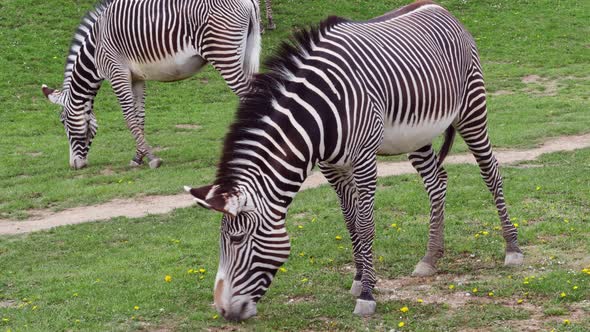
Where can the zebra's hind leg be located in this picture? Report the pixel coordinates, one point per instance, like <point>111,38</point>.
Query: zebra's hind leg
<point>475,134</point>
<point>139,107</point>
<point>434,177</point>
<point>343,183</point>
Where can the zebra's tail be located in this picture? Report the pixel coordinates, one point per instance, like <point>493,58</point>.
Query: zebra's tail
<point>447,144</point>
<point>253,47</point>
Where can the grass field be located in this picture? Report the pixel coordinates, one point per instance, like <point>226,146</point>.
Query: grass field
<point>110,276</point>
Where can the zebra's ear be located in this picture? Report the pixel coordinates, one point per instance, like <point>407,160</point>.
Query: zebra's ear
<point>231,203</point>
<point>52,95</point>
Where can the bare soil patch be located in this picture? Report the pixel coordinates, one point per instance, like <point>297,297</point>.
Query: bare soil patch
<point>142,206</point>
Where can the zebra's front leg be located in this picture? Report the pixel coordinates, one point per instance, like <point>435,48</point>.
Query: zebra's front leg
<point>342,181</point>
<point>121,83</point>
<point>365,176</point>
<point>434,177</point>
<point>139,99</point>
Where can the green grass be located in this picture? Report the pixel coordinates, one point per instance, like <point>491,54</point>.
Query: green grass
<point>34,151</point>
<point>90,276</point>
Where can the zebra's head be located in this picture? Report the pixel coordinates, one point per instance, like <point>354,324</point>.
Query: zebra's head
<point>253,247</point>
<point>79,122</point>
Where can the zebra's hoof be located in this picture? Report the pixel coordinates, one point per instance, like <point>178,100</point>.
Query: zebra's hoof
<point>423,270</point>
<point>155,163</point>
<point>514,259</point>
<point>79,163</point>
<point>356,288</point>
<point>134,163</point>
<point>364,307</point>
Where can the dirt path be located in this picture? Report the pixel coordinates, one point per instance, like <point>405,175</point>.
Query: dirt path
<point>143,206</point>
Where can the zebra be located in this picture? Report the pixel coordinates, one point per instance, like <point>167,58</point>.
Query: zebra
<point>337,97</point>
<point>129,42</point>
<point>271,24</point>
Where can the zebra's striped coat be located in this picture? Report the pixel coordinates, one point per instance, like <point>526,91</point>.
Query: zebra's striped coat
<point>129,42</point>
<point>343,94</point>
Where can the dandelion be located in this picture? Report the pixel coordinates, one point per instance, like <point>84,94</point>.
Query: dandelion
<point>575,287</point>
<point>77,321</point>
<point>515,225</point>
<point>476,235</point>
<point>519,301</point>
<point>304,280</point>
<point>474,290</point>
<point>401,324</point>
<point>338,237</point>
<point>201,277</point>
<point>451,286</point>
<point>380,258</point>
<point>34,307</point>
<point>393,225</point>
<point>301,254</point>
<point>563,294</point>
<point>419,300</point>
<point>340,247</point>
<point>538,188</point>
<point>404,309</point>
<point>202,270</point>
<point>167,278</point>
<point>215,316</point>
<point>497,228</point>
<point>190,271</point>
<point>490,294</point>
<point>75,295</point>
<point>485,232</point>
<point>282,269</point>
<point>300,226</point>
<point>566,322</point>
<point>136,307</point>
<point>566,221</point>
<point>5,320</point>
<point>313,219</point>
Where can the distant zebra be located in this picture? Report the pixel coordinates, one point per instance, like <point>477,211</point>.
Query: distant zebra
<point>129,42</point>
<point>344,94</point>
<point>271,24</point>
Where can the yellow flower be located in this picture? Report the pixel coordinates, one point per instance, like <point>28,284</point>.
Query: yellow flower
<point>566,322</point>
<point>215,316</point>
<point>304,280</point>
<point>75,295</point>
<point>525,282</point>
<point>167,278</point>
<point>201,277</point>
<point>380,258</point>
<point>393,225</point>
<point>497,228</point>
<point>282,269</point>
<point>401,324</point>
<point>313,219</point>
<point>190,271</point>
<point>5,320</point>
<point>202,270</point>
<point>538,188</point>
<point>136,307</point>
<point>515,225</point>
<point>491,294</point>
<point>34,307</point>
<point>300,226</point>
<point>302,254</point>
<point>566,221</point>
<point>575,287</point>
<point>451,286</point>
<point>563,294</point>
<point>404,309</point>
<point>419,300</point>
<point>474,290</point>
<point>485,232</point>
<point>338,237</point>
<point>519,301</point>
<point>476,235</point>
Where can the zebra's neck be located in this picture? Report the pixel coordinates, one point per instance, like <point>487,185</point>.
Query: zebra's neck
<point>82,48</point>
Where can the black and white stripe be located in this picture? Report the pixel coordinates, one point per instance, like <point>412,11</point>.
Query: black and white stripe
<point>341,95</point>
<point>129,42</point>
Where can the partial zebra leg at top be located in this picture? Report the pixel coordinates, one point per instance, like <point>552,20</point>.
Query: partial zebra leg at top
<point>434,177</point>
<point>271,24</point>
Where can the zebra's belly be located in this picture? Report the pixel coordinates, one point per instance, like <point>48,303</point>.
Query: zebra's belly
<point>398,139</point>
<point>172,68</point>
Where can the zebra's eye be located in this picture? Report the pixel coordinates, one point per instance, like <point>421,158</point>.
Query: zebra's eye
<point>237,238</point>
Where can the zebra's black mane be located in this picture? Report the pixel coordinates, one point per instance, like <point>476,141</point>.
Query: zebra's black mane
<point>80,35</point>
<point>265,88</point>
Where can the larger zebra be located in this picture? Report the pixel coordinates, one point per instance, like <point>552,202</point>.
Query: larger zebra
<point>341,95</point>
<point>129,42</point>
